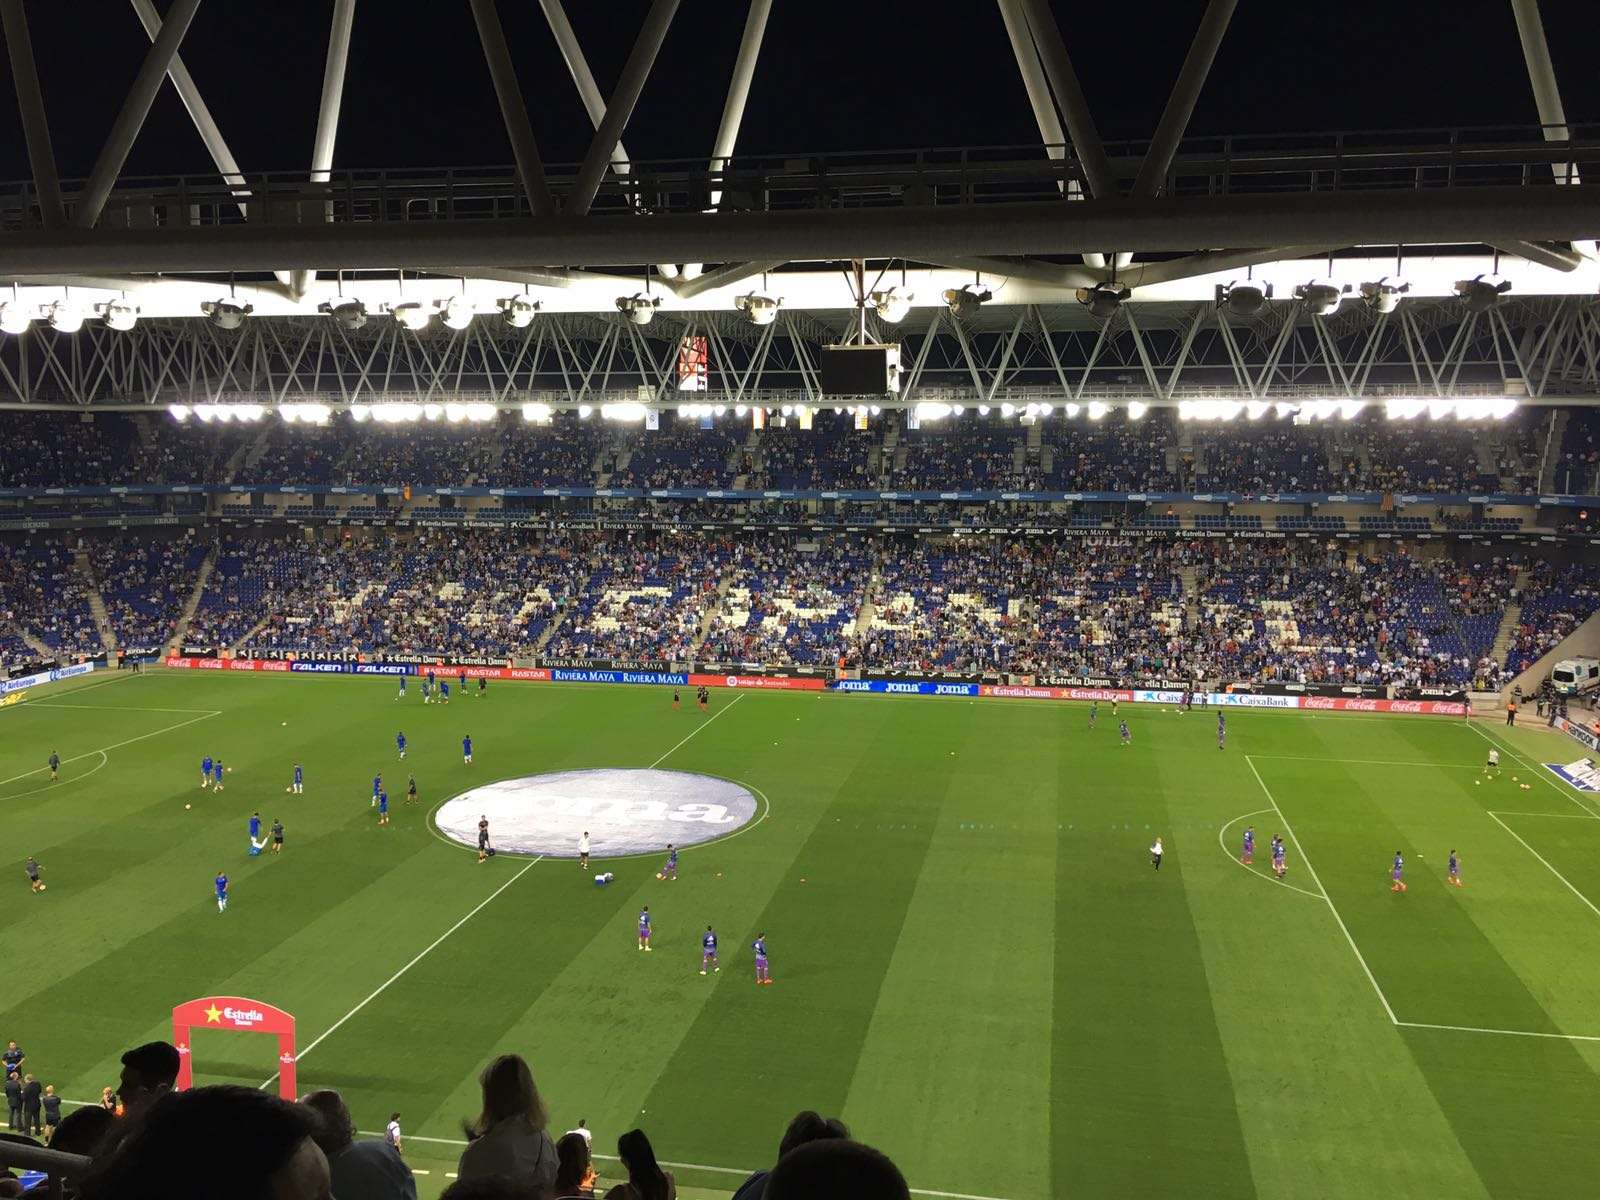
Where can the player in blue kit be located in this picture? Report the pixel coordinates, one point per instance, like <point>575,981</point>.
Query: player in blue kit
<point>1455,871</point>
<point>1248,855</point>
<point>299,784</point>
<point>222,891</point>
<point>1397,883</point>
<point>708,951</point>
<point>205,771</point>
<point>1122,728</point>
<point>1222,731</point>
<point>763,975</point>
<point>444,692</point>
<point>401,694</point>
<point>462,680</point>
<point>466,750</point>
<point>644,928</point>
<point>670,871</point>
<point>400,743</point>
<point>377,786</point>
<point>383,808</point>
<point>1278,867</point>
<point>216,775</point>
<point>257,842</point>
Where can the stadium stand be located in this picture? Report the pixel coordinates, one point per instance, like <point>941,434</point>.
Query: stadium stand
<point>144,585</point>
<point>789,601</point>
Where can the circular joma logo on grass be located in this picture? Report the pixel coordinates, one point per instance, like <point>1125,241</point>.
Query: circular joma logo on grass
<point>624,811</point>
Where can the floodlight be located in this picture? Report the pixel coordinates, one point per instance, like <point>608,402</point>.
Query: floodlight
<point>351,314</point>
<point>178,412</point>
<point>65,317</point>
<point>118,314</point>
<point>1097,410</point>
<point>892,305</point>
<point>759,308</point>
<point>626,410</point>
<point>1481,292</point>
<point>305,414</point>
<point>1072,410</point>
<point>1320,297</point>
<point>1256,409</point>
<point>1137,409</point>
<point>964,302</point>
<point>1383,295</point>
<point>14,319</point>
<point>540,413</point>
<point>519,311</point>
<point>638,308</point>
<point>1103,299</point>
<point>456,312</point>
<point>1245,298</point>
<point>225,314</point>
<point>411,315</point>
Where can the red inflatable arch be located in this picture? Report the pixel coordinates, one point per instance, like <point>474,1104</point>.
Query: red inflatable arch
<point>237,1013</point>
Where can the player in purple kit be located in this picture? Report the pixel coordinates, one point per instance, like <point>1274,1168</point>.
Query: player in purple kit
<point>763,975</point>
<point>1222,732</point>
<point>670,871</point>
<point>1278,866</point>
<point>1248,855</point>
<point>1455,871</point>
<point>644,928</point>
<point>1397,884</point>
<point>1122,728</point>
<point>708,951</point>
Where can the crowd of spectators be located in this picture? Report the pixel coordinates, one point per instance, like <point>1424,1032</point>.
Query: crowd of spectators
<point>1110,455</point>
<point>1557,598</point>
<point>144,585</point>
<point>681,454</point>
<point>1256,458</point>
<point>831,454</point>
<point>146,1140</point>
<point>969,453</point>
<point>564,451</point>
<point>43,598</point>
<point>789,600</point>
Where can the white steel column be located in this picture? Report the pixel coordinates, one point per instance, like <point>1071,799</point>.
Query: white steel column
<point>344,13</point>
<point>30,99</point>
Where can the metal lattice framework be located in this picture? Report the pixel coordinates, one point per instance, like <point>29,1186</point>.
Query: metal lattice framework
<point>1160,224</point>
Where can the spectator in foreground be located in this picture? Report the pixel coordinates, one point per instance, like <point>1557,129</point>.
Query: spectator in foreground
<point>214,1141</point>
<point>575,1175</point>
<point>646,1180</point>
<point>509,1137</point>
<point>806,1127</point>
<point>366,1170</point>
<point>495,1187</point>
<point>149,1072</point>
<point>839,1169</point>
<point>82,1130</point>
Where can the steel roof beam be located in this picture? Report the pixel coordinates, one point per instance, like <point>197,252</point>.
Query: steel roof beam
<point>512,109</point>
<point>30,100</point>
<point>1180,105</point>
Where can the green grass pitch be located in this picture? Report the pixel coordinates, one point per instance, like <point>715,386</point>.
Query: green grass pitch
<point>977,967</point>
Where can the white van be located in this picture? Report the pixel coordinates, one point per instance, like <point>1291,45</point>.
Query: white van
<point>1572,676</point>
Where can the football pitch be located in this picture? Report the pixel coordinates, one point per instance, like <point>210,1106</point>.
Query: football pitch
<point>976,965</point>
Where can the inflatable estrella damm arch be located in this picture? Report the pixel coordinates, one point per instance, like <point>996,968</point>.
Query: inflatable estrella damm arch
<point>241,1015</point>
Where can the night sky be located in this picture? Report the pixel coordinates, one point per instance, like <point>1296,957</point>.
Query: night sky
<point>834,75</point>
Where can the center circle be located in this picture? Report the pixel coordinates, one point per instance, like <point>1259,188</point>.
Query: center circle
<point>623,810</point>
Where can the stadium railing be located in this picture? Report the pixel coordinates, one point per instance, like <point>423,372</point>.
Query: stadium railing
<point>55,1165</point>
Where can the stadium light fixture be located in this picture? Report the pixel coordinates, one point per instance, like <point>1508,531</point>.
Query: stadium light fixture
<point>120,315</point>
<point>1284,409</point>
<point>65,317</point>
<point>457,312</point>
<point>1349,410</point>
<point>626,410</point>
<point>432,412</point>
<point>1209,410</point>
<point>1404,408</point>
<point>1008,410</point>
<point>1256,409</point>
<point>933,410</point>
<point>471,413</point>
<point>1103,299</point>
<point>1383,295</point>
<point>1097,410</point>
<point>519,311</point>
<point>350,314</point>
<point>179,412</point>
<point>892,305</point>
<point>536,413</point>
<point>585,412</point>
<point>228,413</point>
<point>759,308</point>
<point>1438,410</point>
<point>873,409</point>
<point>1321,297</point>
<point>361,414</point>
<point>1072,410</point>
<point>965,301</point>
<point>740,410</point>
<point>411,315</point>
<point>14,319</point>
<point>1482,292</point>
<point>639,308</point>
<point>719,410</point>
<point>305,414</point>
<point>394,413</point>
<point>983,410</point>
<point>226,314</point>
<point>1137,410</point>
<point>1245,298</point>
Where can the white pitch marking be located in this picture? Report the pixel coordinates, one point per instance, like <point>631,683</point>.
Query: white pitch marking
<point>1566,1037</point>
<point>1537,769</point>
<point>697,730</point>
<point>116,745</point>
<point>1508,812</point>
<point>1238,862</point>
<point>1371,762</point>
<point>60,782</point>
<point>381,988</point>
<point>1343,928</point>
<point>1547,865</point>
<point>113,707</point>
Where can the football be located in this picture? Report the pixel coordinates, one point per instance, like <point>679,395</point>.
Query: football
<point>42,886</point>
<point>187,807</point>
<point>658,875</point>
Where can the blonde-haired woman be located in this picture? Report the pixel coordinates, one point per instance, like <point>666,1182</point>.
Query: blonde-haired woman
<point>509,1137</point>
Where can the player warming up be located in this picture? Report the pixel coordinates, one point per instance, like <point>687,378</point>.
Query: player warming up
<point>1156,851</point>
<point>484,849</point>
<point>411,789</point>
<point>257,842</point>
<point>222,892</point>
<point>763,974</point>
<point>444,691</point>
<point>703,699</point>
<point>708,951</point>
<point>400,744</point>
<point>401,694</point>
<point>1248,855</point>
<point>644,928</point>
<point>299,784</point>
<point>670,871</point>
<point>1094,711</point>
<point>1455,870</point>
<point>277,836</point>
<point>1122,728</point>
<point>377,786</point>
<point>1491,768</point>
<point>583,851</point>
<point>216,775</point>
<point>1278,867</point>
<point>205,771</point>
<point>35,884</point>
<point>55,766</point>
<point>1222,732</point>
<point>466,750</point>
<point>383,808</point>
<point>1396,881</point>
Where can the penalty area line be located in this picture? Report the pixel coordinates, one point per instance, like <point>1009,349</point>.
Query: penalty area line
<point>1565,1037</point>
<point>1547,865</point>
<point>703,725</point>
<point>115,745</point>
<point>384,986</point>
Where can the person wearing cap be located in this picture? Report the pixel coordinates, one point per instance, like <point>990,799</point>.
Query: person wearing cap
<point>149,1072</point>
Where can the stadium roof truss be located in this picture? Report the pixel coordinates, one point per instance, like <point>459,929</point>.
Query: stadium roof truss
<point>1100,266</point>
